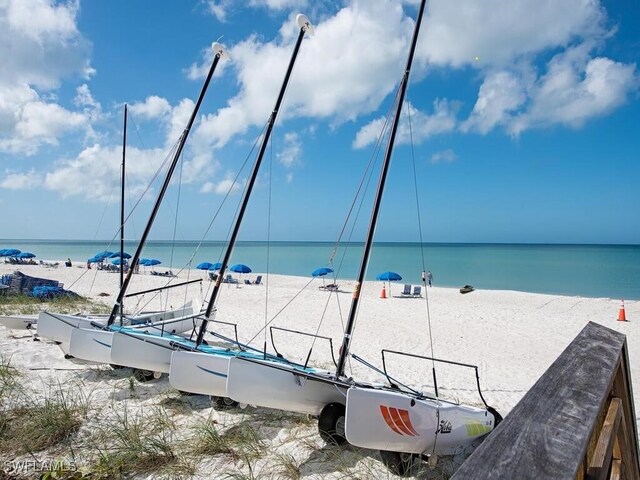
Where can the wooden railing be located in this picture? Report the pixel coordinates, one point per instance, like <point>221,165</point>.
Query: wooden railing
<point>577,422</point>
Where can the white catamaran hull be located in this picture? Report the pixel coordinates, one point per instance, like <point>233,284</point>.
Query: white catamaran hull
<point>19,322</point>
<point>284,387</point>
<point>95,345</point>
<point>387,420</point>
<point>143,352</point>
<point>58,326</point>
<point>202,373</point>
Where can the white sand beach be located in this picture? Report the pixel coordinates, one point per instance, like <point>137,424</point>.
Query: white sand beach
<point>513,337</point>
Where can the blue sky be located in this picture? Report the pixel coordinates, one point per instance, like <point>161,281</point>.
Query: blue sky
<point>525,119</point>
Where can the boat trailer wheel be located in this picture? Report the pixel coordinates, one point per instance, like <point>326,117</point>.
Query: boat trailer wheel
<point>223,402</point>
<point>143,375</point>
<point>331,424</point>
<point>399,463</point>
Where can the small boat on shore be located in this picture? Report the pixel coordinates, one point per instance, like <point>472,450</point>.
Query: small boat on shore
<point>467,289</point>
<point>19,322</point>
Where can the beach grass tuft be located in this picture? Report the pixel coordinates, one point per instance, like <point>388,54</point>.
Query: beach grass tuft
<point>240,441</point>
<point>138,443</point>
<point>24,304</point>
<point>32,425</point>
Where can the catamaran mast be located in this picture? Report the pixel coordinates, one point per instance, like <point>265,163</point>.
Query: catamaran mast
<point>344,350</point>
<point>124,150</point>
<point>183,138</point>
<point>305,26</point>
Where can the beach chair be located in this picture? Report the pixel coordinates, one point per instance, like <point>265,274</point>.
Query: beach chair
<point>229,279</point>
<point>248,282</point>
<point>406,292</point>
<point>258,280</point>
<point>417,291</point>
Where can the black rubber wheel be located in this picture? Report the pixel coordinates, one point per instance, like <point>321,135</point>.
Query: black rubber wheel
<point>143,375</point>
<point>223,403</point>
<point>496,415</point>
<point>399,463</point>
<point>331,424</point>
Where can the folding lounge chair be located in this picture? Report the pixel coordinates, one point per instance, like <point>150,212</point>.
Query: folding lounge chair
<point>407,291</point>
<point>417,291</point>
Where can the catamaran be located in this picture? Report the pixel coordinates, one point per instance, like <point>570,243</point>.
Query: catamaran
<point>90,340</point>
<point>95,343</point>
<point>193,365</point>
<point>404,423</point>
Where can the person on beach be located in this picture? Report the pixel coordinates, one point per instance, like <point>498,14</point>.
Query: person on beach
<point>67,263</point>
<point>88,265</point>
<point>429,277</point>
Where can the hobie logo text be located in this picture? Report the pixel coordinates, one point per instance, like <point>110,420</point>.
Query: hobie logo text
<point>398,420</point>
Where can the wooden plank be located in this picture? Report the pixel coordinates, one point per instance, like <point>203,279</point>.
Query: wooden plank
<point>599,465</point>
<point>547,433</point>
<point>621,386</point>
<point>626,454</point>
<point>615,470</point>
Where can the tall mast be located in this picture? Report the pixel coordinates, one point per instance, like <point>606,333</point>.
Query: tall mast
<point>305,26</point>
<point>124,150</point>
<point>344,350</point>
<point>219,52</point>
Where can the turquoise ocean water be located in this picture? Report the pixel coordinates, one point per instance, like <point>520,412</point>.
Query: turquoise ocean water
<point>586,270</point>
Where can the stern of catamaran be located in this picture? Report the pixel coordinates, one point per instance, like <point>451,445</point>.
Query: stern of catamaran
<point>400,422</point>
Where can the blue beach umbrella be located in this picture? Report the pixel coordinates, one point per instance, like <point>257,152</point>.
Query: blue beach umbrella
<point>240,268</point>
<point>389,277</point>
<point>11,252</point>
<point>25,255</point>
<point>116,261</point>
<point>95,260</point>
<point>204,266</point>
<point>117,255</point>
<point>152,261</point>
<point>216,266</point>
<point>2,252</point>
<point>102,255</point>
<point>321,272</point>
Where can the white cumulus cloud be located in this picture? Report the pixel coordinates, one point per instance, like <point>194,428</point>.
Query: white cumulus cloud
<point>40,46</point>
<point>21,181</point>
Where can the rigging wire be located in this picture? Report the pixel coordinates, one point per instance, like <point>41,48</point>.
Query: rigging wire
<point>269,199</point>
<point>424,284</point>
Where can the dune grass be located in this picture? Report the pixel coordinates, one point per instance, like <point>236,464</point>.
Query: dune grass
<point>138,443</point>
<point>23,304</point>
<point>31,424</point>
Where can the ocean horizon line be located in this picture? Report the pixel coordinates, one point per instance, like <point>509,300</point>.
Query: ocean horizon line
<point>322,242</point>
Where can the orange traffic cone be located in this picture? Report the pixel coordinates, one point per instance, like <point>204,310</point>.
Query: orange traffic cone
<point>622,317</point>
<point>383,293</point>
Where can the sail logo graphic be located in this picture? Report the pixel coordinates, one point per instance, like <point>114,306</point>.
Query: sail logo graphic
<point>398,420</point>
